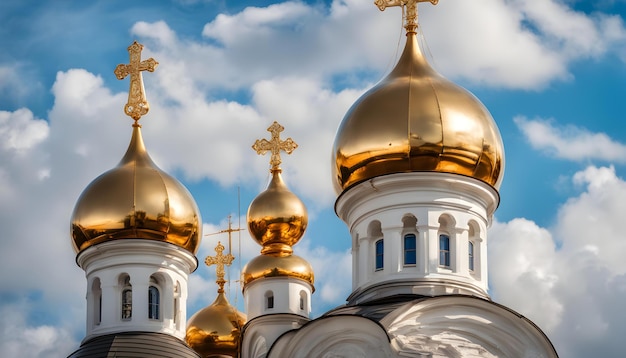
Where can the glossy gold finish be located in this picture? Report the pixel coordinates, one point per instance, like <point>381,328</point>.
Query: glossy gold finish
<point>274,145</point>
<point>136,200</point>
<point>409,6</point>
<point>273,266</point>
<point>415,120</point>
<point>137,104</point>
<point>277,218</point>
<point>220,260</point>
<point>215,330</point>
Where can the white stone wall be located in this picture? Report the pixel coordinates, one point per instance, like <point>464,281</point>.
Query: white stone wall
<point>145,263</point>
<point>431,204</point>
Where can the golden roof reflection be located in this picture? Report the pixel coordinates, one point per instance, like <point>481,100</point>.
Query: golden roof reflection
<point>277,218</point>
<point>216,330</point>
<point>416,120</point>
<point>264,266</point>
<point>136,200</point>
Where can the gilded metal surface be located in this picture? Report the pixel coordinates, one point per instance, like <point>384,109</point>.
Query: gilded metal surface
<point>137,104</point>
<point>273,266</point>
<point>410,16</point>
<point>277,218</point>
<point>216,330</point>
<point>136,200</point>
<point>416,120</point>
<point>274,145</point>
<point>220,260</point>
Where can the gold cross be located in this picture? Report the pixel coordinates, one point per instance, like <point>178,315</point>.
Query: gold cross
<point>219,260</point>
<point>411,10</point>
<point>274,145</point>
<point>137,104</point>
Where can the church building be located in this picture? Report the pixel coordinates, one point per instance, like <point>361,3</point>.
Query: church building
<point>417,163</point>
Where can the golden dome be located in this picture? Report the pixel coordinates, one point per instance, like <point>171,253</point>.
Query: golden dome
<point>264,266</point>
<point>215,331</point>
<point>277,218</point>
<point>415,120</point>
<point>136,200</point>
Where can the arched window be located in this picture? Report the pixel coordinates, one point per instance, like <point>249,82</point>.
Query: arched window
<point>473,249</point>
<point>269,299</point>
<point>127,298</point>
<point>470,251</point>
<point>177,304</point>
<point>410,245</point>
<point>380,254</point>
<point>444,250</point>
<point>153,302</point>
<point>97,301</point>
<point>303,302</point>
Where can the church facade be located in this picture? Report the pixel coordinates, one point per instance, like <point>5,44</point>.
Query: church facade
<point>417,163</point>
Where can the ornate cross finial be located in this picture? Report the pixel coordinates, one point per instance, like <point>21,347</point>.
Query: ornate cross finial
<point>275,145</point>
<point>411,10</point>
<point>219,260</point>
<point>137,104</point>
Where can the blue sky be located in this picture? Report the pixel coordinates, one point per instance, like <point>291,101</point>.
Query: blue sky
<point>551,72</point>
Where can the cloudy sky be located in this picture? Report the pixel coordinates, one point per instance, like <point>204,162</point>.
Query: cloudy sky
<point>552,73</point>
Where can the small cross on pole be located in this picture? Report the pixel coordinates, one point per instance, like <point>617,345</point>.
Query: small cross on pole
<point>275,145</point>
<point>137,104</point>
<point>219,260</point>
<point>230,230</point>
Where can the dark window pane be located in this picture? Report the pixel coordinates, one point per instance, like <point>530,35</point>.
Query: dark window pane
<point>444,250</point>
<point>471,256</point>
<point>409,249</point>
<point>153,302</point>
<point>379,254</point>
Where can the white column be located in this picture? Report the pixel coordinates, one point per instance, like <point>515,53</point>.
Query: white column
<point>366,261</point>
<point>393,249</point>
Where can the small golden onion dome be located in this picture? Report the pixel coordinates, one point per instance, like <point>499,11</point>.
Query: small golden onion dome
<point>136,200</point>
<point>215,331</point>
<point>415,120</point>
<point>277,218</point>
<point>264,266</point>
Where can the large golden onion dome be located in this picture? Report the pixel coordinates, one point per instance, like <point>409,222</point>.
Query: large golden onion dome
<point>215,331</point>
<point>277,219</point>
<point>415,120</point>
<point>136,200</point>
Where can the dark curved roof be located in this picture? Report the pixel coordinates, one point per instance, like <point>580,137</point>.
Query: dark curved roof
<point>134,344</point>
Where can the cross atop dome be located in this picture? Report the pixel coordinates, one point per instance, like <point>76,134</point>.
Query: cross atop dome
<point>275,145</point>
<point>411,10</point>
<point>137,104</point>
<point>220,260</point>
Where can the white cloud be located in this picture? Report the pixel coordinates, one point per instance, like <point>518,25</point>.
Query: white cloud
<point>570,142</point>
<point>521,256</point>
<point>569,279</point>
<point>516,44</point>
<point>19,338</point>
<point>20,131</point>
